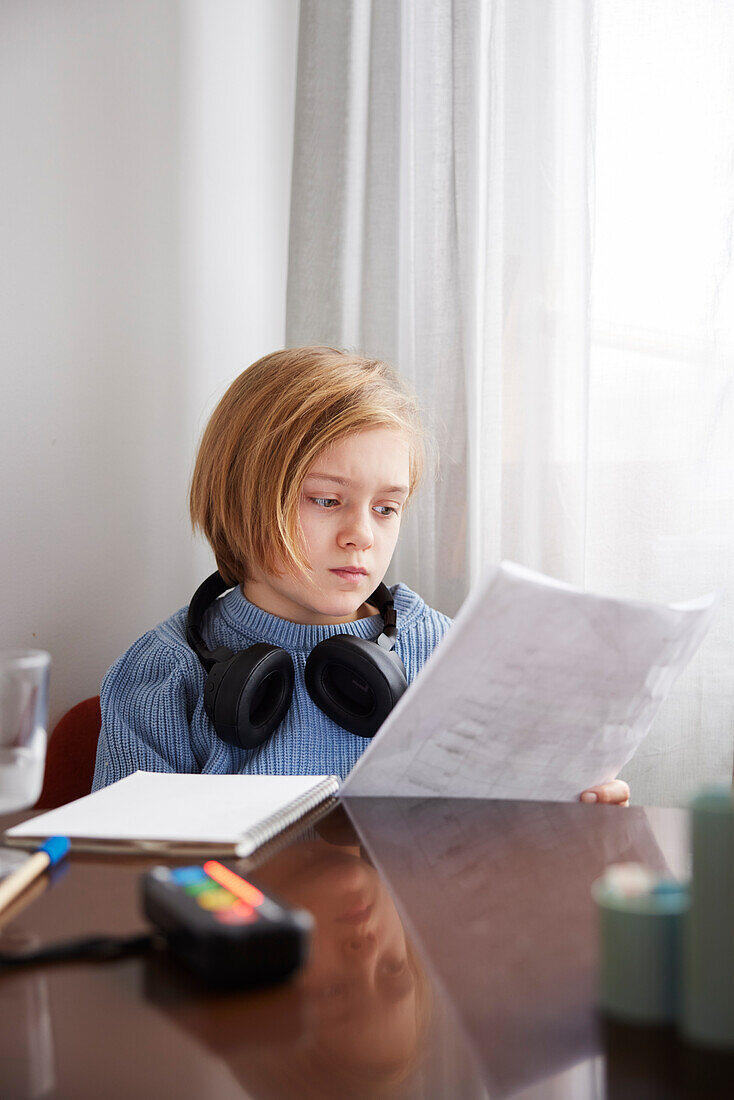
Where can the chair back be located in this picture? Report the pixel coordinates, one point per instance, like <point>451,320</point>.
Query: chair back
<point>70,756</point>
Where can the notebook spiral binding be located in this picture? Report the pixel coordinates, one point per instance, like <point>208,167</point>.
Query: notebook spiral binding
<point>271,826</point>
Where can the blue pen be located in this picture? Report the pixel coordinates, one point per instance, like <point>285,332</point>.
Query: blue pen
<point>44,857</point>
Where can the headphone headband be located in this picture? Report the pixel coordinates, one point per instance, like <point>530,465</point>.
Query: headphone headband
<point>215,586</point>
<point>247,693</point>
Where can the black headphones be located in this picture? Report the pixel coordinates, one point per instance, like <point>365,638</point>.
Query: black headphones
<point>354,681</point>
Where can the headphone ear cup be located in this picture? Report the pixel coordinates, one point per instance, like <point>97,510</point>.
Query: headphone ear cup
<point>355,682</point>
<point>248,695</point>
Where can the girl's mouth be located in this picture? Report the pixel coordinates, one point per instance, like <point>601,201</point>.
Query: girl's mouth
<point>350,573</point>
<point>355,915</point>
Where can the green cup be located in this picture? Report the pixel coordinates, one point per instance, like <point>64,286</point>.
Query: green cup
<point>640,950</point>
<point>708,968</point>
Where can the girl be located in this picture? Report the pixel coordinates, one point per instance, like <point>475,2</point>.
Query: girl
<point>300,483</point>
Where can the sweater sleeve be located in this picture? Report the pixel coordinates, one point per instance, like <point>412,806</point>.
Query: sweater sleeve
<point>146,714</point>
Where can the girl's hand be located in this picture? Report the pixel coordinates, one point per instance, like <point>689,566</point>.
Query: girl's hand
<point>615,792</point>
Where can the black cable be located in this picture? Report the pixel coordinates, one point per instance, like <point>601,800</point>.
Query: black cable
<point>87,948</point>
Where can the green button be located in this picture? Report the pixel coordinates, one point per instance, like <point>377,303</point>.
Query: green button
<point>196,888</point>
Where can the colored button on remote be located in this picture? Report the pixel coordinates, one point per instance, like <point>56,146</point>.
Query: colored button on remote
<point>215,898</point>
<point>186,876</point>
<point>236,914</point>
<point>195,889</point>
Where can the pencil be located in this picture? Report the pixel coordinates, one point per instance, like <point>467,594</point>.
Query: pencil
<point>44,857</point>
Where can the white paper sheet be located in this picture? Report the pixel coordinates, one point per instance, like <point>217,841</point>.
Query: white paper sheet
<point>538,691</point>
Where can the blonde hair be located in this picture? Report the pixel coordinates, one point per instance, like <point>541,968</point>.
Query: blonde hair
<point>263,437</point>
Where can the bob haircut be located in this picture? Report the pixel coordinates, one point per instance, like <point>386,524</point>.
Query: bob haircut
<point>263,437</point>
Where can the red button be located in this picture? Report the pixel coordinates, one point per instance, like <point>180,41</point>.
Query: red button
<point>236,914</point>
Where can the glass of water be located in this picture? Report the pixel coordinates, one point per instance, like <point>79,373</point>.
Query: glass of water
<point>24,675</point>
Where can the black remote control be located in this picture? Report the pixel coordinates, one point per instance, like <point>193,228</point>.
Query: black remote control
<point>225,928</point>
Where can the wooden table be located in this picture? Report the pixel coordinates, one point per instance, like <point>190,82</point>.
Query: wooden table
<point>454,956</point>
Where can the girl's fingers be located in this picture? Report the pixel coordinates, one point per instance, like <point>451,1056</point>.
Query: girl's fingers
<point>615,792</point>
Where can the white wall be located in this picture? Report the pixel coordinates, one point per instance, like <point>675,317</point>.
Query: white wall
<point>145,157</point>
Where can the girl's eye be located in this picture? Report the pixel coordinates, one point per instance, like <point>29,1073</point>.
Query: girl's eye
<point>385,510</point>
<point>393,966</point>
<point>324,502</point>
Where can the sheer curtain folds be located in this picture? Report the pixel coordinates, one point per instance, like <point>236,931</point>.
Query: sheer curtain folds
<point>484,194</point>
<point>440,220</point>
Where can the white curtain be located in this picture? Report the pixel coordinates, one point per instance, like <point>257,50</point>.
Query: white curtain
<point>527,209</point>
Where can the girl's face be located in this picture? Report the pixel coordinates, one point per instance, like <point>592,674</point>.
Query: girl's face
<point>360,980</point>
<point>350,511</point>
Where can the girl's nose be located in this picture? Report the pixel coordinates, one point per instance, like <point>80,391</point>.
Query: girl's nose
<point>360,945</point>
<point>356,532</point>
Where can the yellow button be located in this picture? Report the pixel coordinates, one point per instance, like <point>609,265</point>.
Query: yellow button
<point>215,899</point>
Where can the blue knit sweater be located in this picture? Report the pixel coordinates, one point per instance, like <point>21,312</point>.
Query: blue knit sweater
<point>152,707</point>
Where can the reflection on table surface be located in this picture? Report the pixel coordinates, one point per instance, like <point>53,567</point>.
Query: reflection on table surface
<point>498,895</point>
<point>454,955</point>
<point>364,1014</point>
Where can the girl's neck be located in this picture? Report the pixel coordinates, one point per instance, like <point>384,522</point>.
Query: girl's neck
<point>269,601</point>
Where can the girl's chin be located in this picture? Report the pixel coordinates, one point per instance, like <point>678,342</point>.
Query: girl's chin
<point>341,605</point>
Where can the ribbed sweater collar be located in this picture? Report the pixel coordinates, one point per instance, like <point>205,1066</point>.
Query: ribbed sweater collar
<point>258,625</point>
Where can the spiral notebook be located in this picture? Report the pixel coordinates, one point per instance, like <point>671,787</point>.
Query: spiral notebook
<point>189,815</point>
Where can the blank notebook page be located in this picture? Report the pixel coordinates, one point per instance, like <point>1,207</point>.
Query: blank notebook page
<point>188,808</point>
